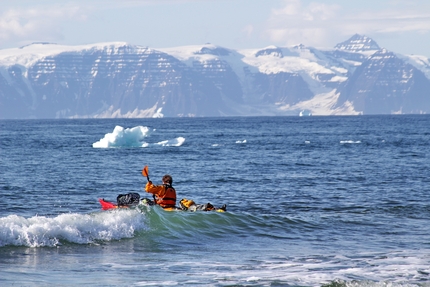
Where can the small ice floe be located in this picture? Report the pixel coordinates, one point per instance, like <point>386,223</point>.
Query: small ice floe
<point>133,137</point>
<point>350,142</point>
<point>174,142</point>
<point>305,113</point>
<point>120,137</point>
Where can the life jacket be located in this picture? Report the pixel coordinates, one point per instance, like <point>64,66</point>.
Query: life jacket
<point>169,198</point>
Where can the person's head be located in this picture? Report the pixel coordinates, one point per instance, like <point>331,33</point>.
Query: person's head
<point>167,179</point>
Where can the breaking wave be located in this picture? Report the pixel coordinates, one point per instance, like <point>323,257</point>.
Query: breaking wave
<point>39,231</point>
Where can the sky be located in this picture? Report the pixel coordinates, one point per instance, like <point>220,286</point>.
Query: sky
<point>401,26</point>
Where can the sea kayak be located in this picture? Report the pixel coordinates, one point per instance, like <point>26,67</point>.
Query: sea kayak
<point>186,205</point>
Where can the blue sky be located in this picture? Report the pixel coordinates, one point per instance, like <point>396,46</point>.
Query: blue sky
<point>401,26</point>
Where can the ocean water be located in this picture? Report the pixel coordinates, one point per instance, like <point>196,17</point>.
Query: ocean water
<point>312,201</point>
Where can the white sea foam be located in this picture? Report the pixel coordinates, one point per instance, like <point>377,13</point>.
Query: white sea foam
<point>241,142</point>
<point>40,231</point>
<point>396,269</point>
<point>133,137</point>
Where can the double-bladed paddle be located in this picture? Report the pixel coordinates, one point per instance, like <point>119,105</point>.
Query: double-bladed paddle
<point>145,172</point>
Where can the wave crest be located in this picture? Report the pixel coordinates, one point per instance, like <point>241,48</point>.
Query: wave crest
<point>39,231</point>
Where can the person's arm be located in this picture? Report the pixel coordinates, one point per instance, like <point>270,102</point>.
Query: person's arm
<point>154,189</point>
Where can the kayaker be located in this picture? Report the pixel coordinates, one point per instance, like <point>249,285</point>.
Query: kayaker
<point>165,194</point>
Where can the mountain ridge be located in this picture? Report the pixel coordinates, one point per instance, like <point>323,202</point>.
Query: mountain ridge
<point>107,80</point>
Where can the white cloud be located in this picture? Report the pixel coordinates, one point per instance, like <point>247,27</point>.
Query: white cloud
<point>291,8</point>
<point>40,23</point>
<point>318,24</point>
<point>248,30</point>
<point>398,21</point>
<point>294,23</point>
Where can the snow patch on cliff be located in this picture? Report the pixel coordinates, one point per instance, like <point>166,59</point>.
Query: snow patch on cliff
<point>323,105</point>
<point>27,55</point>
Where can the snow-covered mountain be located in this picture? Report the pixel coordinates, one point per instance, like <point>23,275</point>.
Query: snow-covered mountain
<point>106,80</point>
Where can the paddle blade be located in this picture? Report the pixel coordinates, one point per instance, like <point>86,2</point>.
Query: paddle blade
<point>145,171</point>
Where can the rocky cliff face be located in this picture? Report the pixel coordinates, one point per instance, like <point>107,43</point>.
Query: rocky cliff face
<point>121,80</point>
<point>384,84</point>
<point>124,81</point>
<point>358,43</point>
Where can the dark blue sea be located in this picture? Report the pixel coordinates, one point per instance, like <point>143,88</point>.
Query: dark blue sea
<point>311,201</point>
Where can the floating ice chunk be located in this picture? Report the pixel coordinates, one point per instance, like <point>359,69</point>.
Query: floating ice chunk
<point>350,142</point>
<point>121,137</point>
<point>175,142</point>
